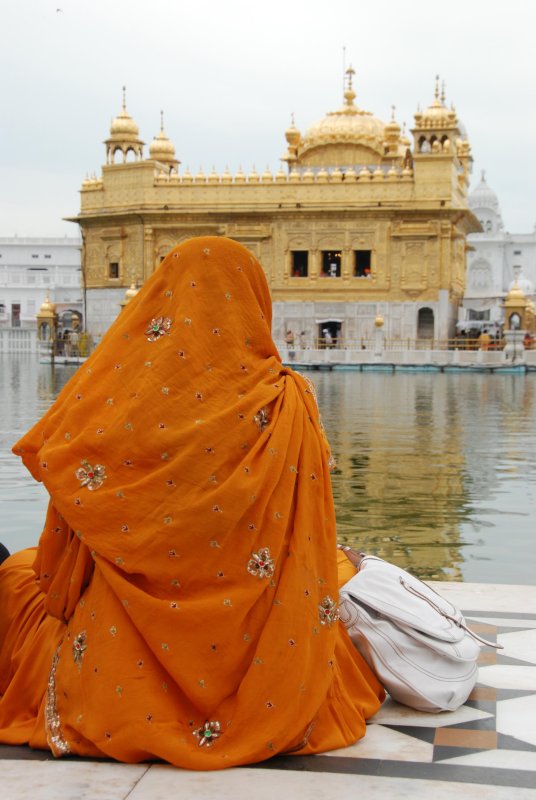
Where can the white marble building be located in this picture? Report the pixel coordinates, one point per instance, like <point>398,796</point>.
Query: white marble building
<point>495,259</point>
<point>32,268</point>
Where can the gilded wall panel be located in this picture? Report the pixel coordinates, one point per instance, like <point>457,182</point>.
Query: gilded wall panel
<point>414,266</point>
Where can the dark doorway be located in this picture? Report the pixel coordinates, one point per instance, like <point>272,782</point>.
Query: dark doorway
<point>425,323</point>
<point>329,334</point>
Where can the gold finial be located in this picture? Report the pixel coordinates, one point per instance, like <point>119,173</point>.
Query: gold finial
<point>436,93</point>
<point>124,99</point>
<point>162,122</point>
<point>443,92</point>
<point>349,94</point>
<point>393,109</point>
<point>483,178</point>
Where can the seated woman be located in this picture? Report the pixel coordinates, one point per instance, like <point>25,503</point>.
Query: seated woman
<point>182,602</point>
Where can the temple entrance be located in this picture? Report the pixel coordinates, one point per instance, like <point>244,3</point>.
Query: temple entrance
<point>329,333</point>
<point>425,323</point>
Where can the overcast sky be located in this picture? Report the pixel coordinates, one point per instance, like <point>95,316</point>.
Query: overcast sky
<point>229,73</point>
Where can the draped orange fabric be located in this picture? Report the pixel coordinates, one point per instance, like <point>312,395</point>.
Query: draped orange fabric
<point>182,601</point>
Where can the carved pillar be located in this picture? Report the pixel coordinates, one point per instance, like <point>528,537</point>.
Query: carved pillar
<point>148,266</point>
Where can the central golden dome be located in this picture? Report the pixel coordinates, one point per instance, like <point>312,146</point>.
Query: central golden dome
<point>343,138</point>
<point>348,125</point>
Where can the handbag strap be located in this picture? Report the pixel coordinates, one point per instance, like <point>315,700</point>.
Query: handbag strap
<point>458,622</point>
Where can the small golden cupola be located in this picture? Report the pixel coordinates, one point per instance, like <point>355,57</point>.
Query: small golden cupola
<point>516,303</point>
<point>124,136</point>
<point>436,128</point>
<point>393,142</point>
<point>47,321</point>
<point>293,137</point>
<point>162,149</point>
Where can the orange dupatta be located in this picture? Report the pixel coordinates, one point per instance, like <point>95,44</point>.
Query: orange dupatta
<point>190,542</point>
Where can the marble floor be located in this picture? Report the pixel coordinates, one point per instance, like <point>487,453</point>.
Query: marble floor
<point>487,748</point>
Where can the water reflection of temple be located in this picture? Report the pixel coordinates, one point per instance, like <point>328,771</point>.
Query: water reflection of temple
<point>400,485</point>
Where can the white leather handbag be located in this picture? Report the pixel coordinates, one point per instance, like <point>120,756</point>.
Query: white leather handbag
<point>415,641</point>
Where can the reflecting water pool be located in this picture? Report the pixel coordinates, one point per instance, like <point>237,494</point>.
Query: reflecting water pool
<point>436,472</point>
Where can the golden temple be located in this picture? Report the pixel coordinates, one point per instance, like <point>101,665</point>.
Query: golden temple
<point>361,222</point>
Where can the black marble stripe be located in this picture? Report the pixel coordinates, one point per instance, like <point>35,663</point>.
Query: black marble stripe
<point>403,769</point>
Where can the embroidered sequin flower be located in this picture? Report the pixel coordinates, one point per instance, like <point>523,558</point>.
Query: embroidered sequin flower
<point>260,564</point>
<point>208,733</point>
<point>79,647</point>
<point>328,612</point>
<point>158,326</point>
<point>261,419</point>
<point>92,477</point>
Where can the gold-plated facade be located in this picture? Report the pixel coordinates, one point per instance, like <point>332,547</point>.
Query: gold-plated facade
<point>362,223</point>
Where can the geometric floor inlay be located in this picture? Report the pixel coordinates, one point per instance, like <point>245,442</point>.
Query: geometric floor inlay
<point>489,743</point>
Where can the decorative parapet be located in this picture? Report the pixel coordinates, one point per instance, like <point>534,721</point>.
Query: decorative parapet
<point>307,176</point>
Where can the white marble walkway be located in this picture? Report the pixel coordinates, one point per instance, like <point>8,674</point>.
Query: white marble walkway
<point>486,749</point>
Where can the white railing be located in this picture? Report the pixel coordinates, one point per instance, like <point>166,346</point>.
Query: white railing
<point>18,340</point>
